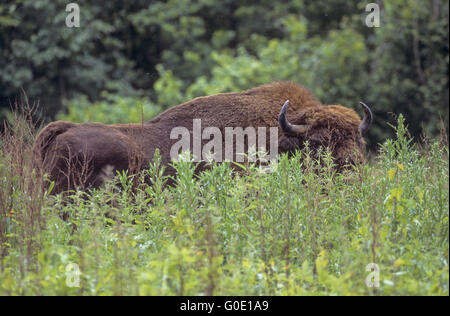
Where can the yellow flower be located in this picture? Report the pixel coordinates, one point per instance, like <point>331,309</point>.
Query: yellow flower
<point>391,173</point>
<point>399,262</point>
<point>400,166</point>
<point>397,193</point>
<point>420,194</point>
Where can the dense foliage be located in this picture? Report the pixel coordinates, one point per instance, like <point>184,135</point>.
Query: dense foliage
<point>166,52</point>
<point>298,230</point>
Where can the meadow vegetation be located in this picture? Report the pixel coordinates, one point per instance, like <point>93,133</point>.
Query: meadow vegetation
<point>300,229</point>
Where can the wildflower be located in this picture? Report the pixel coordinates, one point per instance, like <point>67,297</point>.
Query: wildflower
<point>391,173</point>
<point>399,262</point>
<point>400,166</point>
<point>397,193</point>
<point>420,195</point>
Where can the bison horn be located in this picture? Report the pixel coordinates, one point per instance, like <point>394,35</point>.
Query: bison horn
<point>367,120</point>
<point>288,127</point>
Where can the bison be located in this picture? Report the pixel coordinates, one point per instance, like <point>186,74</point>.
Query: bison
<point>85,155</point>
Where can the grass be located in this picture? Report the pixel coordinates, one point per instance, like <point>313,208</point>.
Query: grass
<point>300,230</point>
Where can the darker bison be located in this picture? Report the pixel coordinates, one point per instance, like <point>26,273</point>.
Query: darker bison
<point>84,155</point>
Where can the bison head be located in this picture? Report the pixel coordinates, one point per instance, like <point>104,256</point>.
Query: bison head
<point>333,127</point>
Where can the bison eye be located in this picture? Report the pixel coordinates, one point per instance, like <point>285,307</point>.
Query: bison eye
<point>315,138</point>
<point>289,144</point>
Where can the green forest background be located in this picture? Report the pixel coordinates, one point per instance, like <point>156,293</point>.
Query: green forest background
<point>157,54</point>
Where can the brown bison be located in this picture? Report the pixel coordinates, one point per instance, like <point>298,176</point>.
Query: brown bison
<point>84,155</point>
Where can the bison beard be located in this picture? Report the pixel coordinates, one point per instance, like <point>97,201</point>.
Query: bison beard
<point>86,155</point>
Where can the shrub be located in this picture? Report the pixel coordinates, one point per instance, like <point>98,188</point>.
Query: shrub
<point>114,109</point>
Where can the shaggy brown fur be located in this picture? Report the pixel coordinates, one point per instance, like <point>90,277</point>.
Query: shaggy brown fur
<point>85,154</point>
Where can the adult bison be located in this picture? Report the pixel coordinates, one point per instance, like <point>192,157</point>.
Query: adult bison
<point>88,153</point>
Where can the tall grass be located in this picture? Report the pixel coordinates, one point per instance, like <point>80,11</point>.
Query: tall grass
<point>21,195</point>
<point>300,230</point>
